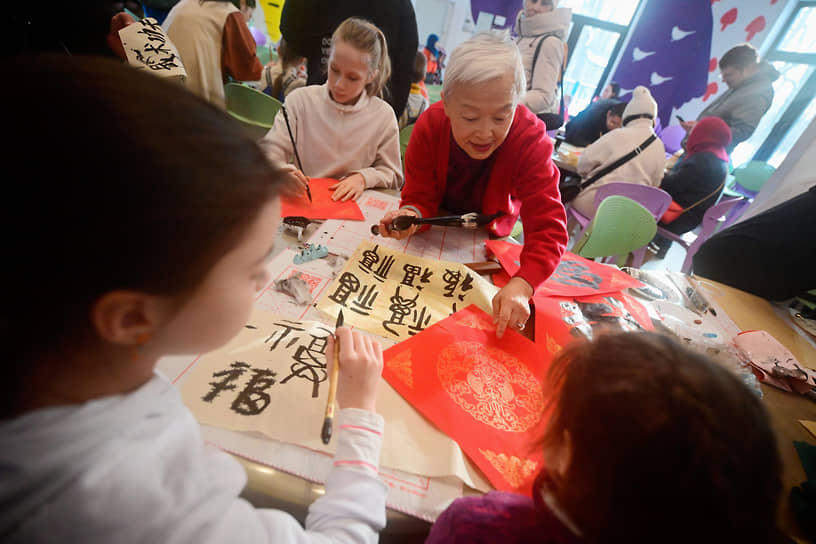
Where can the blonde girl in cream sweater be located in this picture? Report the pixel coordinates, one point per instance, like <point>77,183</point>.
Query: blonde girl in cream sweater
<point>343,129</point>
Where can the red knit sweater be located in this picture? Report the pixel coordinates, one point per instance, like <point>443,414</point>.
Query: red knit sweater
<point>523,181</point>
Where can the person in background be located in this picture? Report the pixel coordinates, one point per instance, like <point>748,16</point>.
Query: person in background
<point>698,178</point>
<point>281,78</point>
<point>215,44</point>
<point>432,57</point>
<point>417,102</point>
<point>749,95</point>
<point>611,90</point>
<point>638,448</point>
<point>158,9</point>
<point>479,149</point>
<point>646,168</point>
<point>542,30</point>
<point>596,120</point>
<point>342,128</point>
<point>98,446</point>
<point>308,25</point>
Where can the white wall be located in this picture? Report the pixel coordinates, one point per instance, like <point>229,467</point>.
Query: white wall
<point>795,175</point>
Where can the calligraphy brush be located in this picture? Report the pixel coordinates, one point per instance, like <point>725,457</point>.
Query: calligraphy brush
<point>469,221</point>
<point>297,157</point>
<point>326,433</point>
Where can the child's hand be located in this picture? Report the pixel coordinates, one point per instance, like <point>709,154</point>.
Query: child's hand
<point>361,365</point>
<point>298,176</point>
<point>385,225</point>
<point>349,188</point>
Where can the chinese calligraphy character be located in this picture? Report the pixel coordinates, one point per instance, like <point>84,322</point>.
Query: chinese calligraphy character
<point>307,366</point>
<point>284,333</point>
<point>254,399</point>
<point>364,303</point>
<point>452,279</point>
<point>400,308</point>
<point>347,284</point>
<point>411,273</point>
<point>225,385</point>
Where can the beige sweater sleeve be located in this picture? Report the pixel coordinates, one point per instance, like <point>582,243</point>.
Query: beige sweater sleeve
<point>386,171</point>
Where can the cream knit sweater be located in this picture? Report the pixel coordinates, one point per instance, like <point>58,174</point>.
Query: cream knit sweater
<point>334,140</point>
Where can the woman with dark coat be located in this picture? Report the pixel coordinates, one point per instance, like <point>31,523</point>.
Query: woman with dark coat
<point>699,174</point>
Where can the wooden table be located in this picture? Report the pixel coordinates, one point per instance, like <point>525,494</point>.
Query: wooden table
<point>750,312</point>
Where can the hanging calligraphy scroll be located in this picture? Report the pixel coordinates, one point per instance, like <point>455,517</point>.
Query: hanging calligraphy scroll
<point>483,392</point>
<point>395,295</point>
<point>148,48</point>
<point>271,379</point>
<point>322,206</point>
<point>575,276</point>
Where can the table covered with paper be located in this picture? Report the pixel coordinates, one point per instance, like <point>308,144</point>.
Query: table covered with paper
<point>463,409</point>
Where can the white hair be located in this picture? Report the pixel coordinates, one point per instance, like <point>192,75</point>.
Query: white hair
<point>487,55</point>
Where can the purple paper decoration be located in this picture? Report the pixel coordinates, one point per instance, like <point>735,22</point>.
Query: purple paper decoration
<point>506,8</point>
<point>669,53</point>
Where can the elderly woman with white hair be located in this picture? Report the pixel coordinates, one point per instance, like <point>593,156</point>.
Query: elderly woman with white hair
<point>480,149</point>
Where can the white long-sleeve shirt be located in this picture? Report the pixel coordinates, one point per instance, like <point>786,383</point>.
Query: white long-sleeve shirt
<point>644,169</point>
<point>134,468</point>
<point>335,140</point>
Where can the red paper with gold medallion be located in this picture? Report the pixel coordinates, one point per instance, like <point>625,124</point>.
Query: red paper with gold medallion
<point>485,393</point>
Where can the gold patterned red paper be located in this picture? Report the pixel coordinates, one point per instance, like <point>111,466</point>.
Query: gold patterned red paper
<point>485,393</point>
<point>575,276</point>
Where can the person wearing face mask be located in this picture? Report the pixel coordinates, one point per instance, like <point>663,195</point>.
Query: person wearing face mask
<point>542,29</point>
<point>479,149</point>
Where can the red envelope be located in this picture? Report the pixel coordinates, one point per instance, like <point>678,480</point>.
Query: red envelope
<point>485,393</point>
<point>322,206</point>
<point>574,277</point>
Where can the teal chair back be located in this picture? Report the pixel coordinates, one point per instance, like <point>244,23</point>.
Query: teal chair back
<point>253,108</point>
<point>620,226</point>
<point>752,176</point>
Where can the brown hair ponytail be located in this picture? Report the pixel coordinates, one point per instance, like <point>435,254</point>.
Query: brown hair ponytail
<point>366,37</point>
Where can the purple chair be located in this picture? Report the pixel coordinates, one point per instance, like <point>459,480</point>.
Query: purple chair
<point>716,218</point>
<point>672,137</point>
<point>654,199</point>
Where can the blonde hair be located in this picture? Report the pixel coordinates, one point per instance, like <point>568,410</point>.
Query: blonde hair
<point>366,37</point>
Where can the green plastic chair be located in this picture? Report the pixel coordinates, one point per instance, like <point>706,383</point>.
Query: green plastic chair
<point>404,136</point>
<point>620,226</point>
<point>251,107</point>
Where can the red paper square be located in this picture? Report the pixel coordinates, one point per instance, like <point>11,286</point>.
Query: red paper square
<point>322,206</point>
<point>574,277</point>
<point>485,393</point>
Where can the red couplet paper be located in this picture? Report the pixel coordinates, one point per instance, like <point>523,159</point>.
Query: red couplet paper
<point>485,393</point>
<point>575,276</point>
<point>322,205</point>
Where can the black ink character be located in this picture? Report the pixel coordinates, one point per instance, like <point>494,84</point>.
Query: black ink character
<point>413,271</point>
<point>254,399</point>
<point>308,366</point>
<point>576,274</point>
<point>238,369</point>
<point>347,284</point>
<point>400,308</point>
<point>364,303</point>
<point>287,328</point>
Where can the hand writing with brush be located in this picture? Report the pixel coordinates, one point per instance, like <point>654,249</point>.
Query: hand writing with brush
<point>359,367</point>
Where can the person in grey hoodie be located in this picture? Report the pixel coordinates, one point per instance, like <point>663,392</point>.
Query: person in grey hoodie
<point>542,22</point>
<point>749,95</point>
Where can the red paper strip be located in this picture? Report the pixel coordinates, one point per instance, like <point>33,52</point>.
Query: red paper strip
<point>574,277</point>
<point>483,392</point>
<point>322,206</point>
